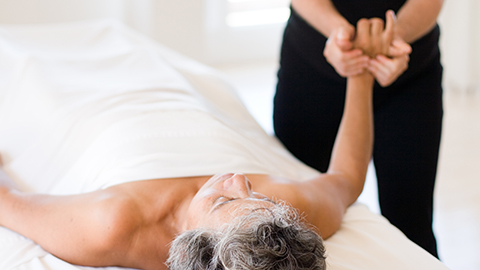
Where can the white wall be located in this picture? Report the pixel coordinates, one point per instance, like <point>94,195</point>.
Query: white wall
<point>47,11</point>
<point>194,28</point>
<point>460,44</point>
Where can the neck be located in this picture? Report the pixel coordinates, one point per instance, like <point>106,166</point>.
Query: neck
<point>181,198</point>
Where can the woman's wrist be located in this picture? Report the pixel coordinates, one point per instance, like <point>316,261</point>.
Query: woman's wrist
<point>365,78</point>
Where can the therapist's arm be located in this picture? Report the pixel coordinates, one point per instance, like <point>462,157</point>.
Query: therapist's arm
<point>339,52</point>
<point>322,15</point>
<point>416,18</point>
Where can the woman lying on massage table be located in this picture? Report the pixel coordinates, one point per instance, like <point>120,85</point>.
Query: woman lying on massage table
<point>214,222</point>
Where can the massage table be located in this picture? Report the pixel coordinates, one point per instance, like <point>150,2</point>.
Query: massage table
<point>88,105</point>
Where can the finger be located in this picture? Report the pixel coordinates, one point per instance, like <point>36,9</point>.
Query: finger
<point>343,38</point>
<point>394,51</point>
<point>362,39</point>
<point>393,66</point>
<point>376,70</point>
<point>396,65</point>
<point>387,70</point>
<point>344,44</point>
<point>390,27</point>
<point>352,54</point>
<point>399,48</point>
<point>376,28</point>
<point>376,31</point>
<point>402,45</point>
<point>379,67</point>
<point>358,62</point>
<point>332,37</point>
<point>353,65</point>
<point>382,59</point>
<point>346,33</point>
<point>363,27</point>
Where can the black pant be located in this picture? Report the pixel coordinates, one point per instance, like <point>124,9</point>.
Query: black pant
<point>308,107</point>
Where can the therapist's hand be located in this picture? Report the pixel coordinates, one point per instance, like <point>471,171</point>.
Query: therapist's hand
<point>340,53</point>
<point>386,70</point>
<point>379,43</point>
<point>393,61</point>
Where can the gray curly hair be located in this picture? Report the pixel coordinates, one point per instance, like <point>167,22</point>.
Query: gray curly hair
<point>261,240</point>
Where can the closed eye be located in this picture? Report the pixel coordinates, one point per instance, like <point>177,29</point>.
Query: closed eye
<point>222,200</point>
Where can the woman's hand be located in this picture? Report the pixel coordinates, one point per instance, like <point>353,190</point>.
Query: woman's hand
<point>371,36</point>
<point>379,43</point>
<point>340,54</point>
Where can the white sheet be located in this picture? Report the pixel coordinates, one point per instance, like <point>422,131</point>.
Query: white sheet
<point>88,105</point>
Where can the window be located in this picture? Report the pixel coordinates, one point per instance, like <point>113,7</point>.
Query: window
<point>256,12</point>
<point>244,30</point>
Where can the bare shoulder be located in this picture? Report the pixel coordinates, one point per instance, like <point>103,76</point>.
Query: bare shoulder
<point>129,228</point>
<point>114,219</point>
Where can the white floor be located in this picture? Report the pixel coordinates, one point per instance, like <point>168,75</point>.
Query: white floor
<point>457,194</point>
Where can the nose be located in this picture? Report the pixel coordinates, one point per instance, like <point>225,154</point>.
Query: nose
<point>239,185</point>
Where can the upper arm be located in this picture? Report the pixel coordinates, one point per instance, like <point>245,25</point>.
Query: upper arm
<point>322,200</point>
<point>104,235</point>
<point>91,229</point>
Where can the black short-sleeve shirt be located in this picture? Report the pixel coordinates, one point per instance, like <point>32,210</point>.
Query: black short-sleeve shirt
<point>310,43</point>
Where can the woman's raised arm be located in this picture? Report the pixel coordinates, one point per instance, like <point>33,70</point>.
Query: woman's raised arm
<point>326,198</point>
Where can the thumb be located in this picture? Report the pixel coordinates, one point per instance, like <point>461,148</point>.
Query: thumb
<point>390,27</point>
<point>344,39</point>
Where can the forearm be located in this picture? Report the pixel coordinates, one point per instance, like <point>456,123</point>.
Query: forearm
<point>341,185</point>
<point>353,146</point>
<point>321,14</point>
<point>416,18</point>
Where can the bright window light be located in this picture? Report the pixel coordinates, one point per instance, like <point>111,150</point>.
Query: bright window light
<point>256,12</point>
<point>258,17</point>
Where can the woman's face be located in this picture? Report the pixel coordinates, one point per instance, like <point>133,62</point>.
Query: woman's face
<point>222,198</point>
